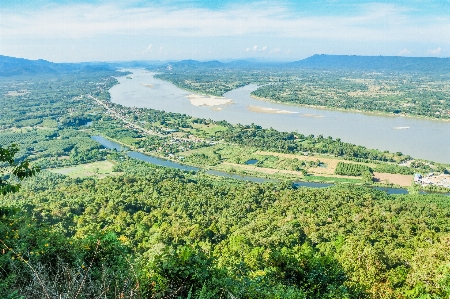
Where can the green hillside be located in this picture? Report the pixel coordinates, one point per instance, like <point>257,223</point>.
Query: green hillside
<point>155,232</point>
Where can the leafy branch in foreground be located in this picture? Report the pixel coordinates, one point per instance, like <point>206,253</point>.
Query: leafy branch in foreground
<point>12,172</point>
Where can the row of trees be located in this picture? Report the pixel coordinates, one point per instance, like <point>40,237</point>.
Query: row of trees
<point>351,169</point>
<point>433,101</point>
<point>270,139</point>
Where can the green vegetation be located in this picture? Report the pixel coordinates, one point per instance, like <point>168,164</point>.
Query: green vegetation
<point>351,169</point>
<point>99,169</point>
<point>48,120</point>
<point>407,94</point>
<point>283,142</point>
<point>107,226</point>
<point>160,232</point>
<point>11,172</point>
<point>392,85</point>
<point>391,168</point>
<point>201,83</point>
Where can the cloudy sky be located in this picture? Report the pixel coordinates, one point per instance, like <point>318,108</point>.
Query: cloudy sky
<point>72,31</point>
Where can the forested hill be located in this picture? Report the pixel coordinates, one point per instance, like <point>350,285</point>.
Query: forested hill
<point>318,62</point>
<point>12,66</point>
<point>376,63</point>
<point>194,63</point>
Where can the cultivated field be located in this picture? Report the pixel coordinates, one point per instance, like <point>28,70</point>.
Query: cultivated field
<point>99,169</point>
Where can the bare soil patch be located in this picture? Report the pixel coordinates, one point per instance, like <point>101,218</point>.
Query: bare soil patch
<point>398,179</point>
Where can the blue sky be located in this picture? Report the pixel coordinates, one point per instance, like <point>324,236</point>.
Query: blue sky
<point>71,31</point>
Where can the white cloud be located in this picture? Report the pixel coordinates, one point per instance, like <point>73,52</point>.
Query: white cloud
<point>149,49</point>
<point>404,52</point>
<point>436,51</point>
<point>373,22</point>
<point>189,32</point>
<point>256,49</point>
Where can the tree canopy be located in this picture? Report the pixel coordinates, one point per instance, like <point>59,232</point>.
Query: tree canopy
<point>12,172</point>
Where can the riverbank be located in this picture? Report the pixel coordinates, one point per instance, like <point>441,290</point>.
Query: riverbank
<point>243,172</point>
<point>375,113</point>
<point>229,171</point>
<point>356,128</point>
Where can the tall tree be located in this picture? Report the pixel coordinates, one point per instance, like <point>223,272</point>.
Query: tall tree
<point>12,172</point>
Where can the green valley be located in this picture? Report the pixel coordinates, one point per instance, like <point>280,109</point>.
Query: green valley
<point>96,223</point>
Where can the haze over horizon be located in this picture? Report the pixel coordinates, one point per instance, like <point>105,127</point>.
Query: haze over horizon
<point>75,31</point>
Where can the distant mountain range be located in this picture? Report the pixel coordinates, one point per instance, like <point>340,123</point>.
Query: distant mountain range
<point>11,66</point>
<point>374,63</point>
<point>335,62</point>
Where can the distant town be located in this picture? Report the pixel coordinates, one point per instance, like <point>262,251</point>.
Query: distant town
<point>432,179</point>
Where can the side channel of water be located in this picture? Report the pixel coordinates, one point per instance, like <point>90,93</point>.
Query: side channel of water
<point>166,163</point>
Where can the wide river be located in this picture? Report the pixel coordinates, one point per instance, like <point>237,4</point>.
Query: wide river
<point>420,138</point>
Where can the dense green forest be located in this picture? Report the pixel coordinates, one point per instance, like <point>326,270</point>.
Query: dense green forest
<point>351,169</point>
<point>157,233</point>
<point>44,114</point>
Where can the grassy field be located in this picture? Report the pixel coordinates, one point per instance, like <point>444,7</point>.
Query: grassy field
<point>99,169</point>
<point>318,167</point>
<point>204,131</point>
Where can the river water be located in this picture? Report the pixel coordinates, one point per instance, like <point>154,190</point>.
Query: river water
<point>167,163</point>
<point>420,138</point>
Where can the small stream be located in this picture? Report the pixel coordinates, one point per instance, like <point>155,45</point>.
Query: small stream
<point>167,163</point>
